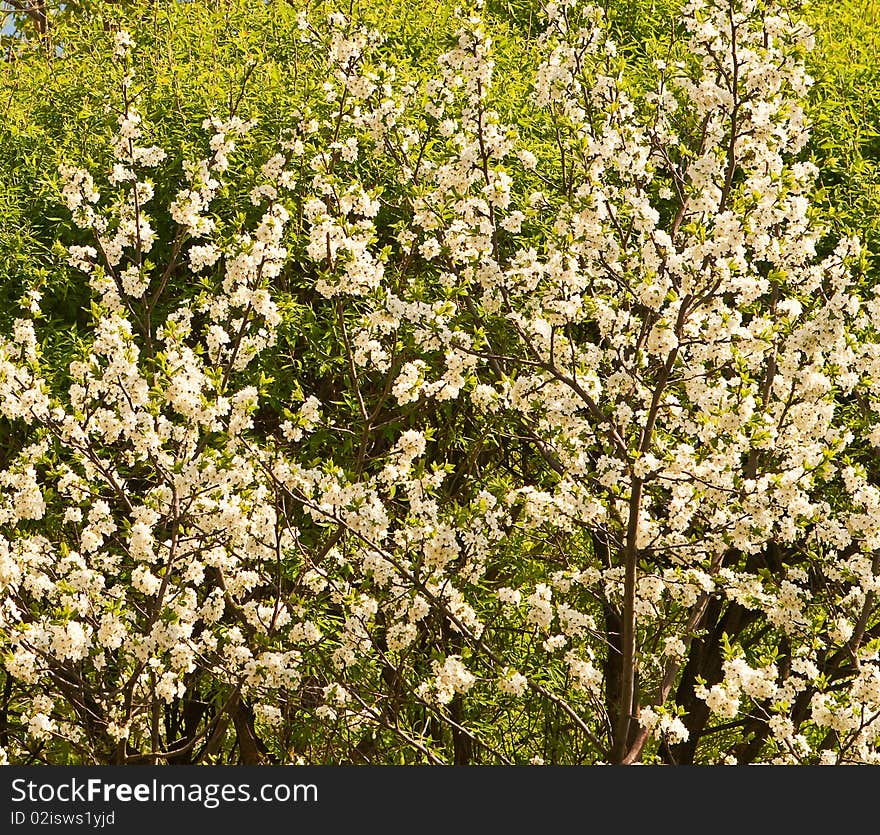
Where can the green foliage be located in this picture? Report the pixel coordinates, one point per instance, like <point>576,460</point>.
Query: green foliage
<point>845,114</point>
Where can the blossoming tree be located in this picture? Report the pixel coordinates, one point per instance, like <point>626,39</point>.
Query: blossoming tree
<point>580,468</point>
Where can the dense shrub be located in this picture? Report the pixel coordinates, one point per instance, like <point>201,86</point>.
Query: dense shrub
<point>380,393</point>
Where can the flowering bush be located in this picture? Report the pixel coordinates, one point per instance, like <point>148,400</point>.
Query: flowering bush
<point>432,437</point>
